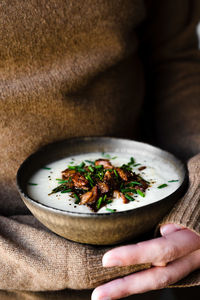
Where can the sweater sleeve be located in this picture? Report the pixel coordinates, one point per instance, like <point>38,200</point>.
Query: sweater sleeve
<point>174,74</point>
<point>171,51</point>
<point>35,259</point>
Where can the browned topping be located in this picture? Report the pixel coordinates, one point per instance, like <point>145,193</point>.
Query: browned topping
<point>116,194</point>
<point>123,174</point>
<point>68,173</point>
<point>141,168</point>
<point>96,184</point>
<point>104,162</point>
<point>103,187</point>
<point>80,181</point>
<point>125,200</point>
<point>90,197</point>
<point>107,176</point>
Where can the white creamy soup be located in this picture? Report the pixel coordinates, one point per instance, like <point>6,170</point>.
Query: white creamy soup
<point>163,176</point>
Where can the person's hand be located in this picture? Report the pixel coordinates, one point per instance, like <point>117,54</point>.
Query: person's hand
<point>173,256</point>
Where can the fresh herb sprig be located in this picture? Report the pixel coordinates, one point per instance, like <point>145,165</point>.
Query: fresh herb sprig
<point>162,186</point>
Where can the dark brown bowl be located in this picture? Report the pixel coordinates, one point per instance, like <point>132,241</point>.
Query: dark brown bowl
<point>101,228</point>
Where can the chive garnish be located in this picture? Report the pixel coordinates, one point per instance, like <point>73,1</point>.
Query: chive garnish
<point>59,188</point>
<point>71,167</point>
<point>116,173</point>
<point>81,165</point>
<point>91,169</point>
<point>132,183</point>
<point>140,193</point>
<point>173,180</point>
<point>114,157</point>
<point>80,170</point>
<point>132,161</point>
<point>63,181</point>
<point>127,196</point>
<point>128,191</point>
<point>135,165</point>
<point>88,177</point>
<point>110,210</point>
<point>105,155</point>
<point>66,191</point>
<point>46,168</point>
<point>99,202</point>
<point>126,167</point>
<point>104,198</point>
<point>162,186</point>
<point>31,183</point>
<point>109,201</point>
<point>71,162</point>
<point>77,198</point>
<point>98,167</point>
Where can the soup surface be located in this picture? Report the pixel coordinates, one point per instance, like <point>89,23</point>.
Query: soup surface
<point>162,176</point>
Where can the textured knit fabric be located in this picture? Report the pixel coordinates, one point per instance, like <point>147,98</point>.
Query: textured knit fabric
<point>77,68</point>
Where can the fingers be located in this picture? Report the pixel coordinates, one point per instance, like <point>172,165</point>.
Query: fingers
<point>154,278</point>
<point>157,251</point>
<point>169,228</point>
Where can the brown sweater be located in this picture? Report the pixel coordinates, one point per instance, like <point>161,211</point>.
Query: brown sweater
<point>76,68</point>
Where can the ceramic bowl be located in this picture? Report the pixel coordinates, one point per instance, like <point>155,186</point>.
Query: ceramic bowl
<point>90,228</point>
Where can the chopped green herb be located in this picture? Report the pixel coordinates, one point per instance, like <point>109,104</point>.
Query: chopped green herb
<point>88,177</point>
<point>46,168</point>
<point>110,210</point>
<point>81,165</point>
<point>91,169</point>
<point>66,191</point>
<point>132,161</point>
<point>127,196</point>
<point>162,186</point>
<point>109,201</point>
<point>63,181</point>
<point>116,173</point>
<point>128,191</point>
<point>71,167</point>
<point>140,193</point>
<point>71,162</point>
<point>106,155</point>
<point>104,198</point>
<point>98,167</point>
<point>77,198</point>
<point>126,167</point>
<point>59,188</point>
<point>114,157</point>
<point>132,183</point>
<point>135,165</point>
<point>122,186</point>
<point>99,202</point>
<point>80,170</point>
<point>30,183</point>
<point>173,180</point>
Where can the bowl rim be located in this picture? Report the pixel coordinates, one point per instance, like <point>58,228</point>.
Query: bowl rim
<point>178,191</point>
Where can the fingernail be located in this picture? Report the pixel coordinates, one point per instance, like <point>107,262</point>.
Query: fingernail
<point>111,262</point>
<point>170,228</point>
<point>98,297</point>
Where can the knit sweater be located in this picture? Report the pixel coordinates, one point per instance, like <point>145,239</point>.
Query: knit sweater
<point>95,68</point>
